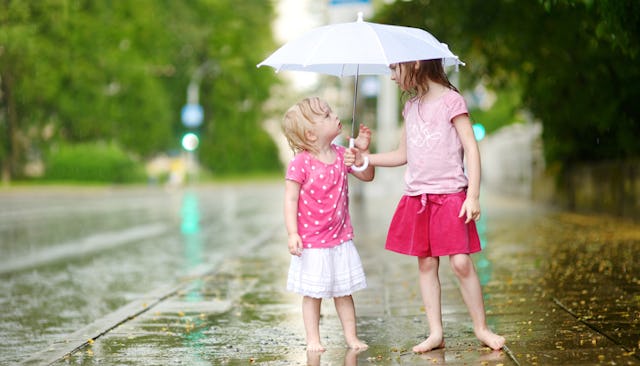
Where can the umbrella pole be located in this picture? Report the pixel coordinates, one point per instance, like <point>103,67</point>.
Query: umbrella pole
<point>352,140</point>
<point>355,97</point>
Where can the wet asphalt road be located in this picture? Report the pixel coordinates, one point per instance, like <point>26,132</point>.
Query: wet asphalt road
<point>71,255</point>
<point>562,288</point>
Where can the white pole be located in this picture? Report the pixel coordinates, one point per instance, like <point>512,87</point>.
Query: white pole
<point>387,134</point>
<point>387,112</point>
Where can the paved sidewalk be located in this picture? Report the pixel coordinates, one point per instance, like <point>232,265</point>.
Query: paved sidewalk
<point>240,313</point>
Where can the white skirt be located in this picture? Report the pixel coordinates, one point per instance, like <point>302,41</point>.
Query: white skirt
<point>327,272</point>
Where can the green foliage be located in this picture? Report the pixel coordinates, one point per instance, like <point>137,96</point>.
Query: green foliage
<point>93,162</point>
<point>574,61</point>
<point>236,152</point>
<point>83,70</point>
<point>232,140</point>
<point>502,113</point>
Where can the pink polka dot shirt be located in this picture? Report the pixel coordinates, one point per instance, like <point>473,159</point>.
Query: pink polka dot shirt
<point>323,205</point>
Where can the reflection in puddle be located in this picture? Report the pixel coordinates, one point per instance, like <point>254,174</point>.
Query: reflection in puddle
<point>350,357</point>
<point>483,265</point>
<point>190,229</point>
<point>441,356</point>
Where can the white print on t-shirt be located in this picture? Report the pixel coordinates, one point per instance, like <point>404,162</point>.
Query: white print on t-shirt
<point>420,136</point>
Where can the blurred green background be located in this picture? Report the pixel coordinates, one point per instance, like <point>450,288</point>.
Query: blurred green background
<point>572,63</point>
<point>93,90</point>
<point>111,77</point>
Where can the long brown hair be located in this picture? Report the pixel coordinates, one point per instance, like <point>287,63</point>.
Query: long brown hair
<point>418,78</point>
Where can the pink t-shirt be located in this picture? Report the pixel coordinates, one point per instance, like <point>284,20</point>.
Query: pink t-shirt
<point>434,150</point>
<point>323,206</point>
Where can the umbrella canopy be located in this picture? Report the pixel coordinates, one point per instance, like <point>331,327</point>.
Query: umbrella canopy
<point>358,48</point>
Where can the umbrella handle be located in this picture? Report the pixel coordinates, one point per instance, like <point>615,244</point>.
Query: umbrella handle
<point>352,143</point>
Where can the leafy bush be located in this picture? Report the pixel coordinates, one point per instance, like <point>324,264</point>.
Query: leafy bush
<point>93,162</point>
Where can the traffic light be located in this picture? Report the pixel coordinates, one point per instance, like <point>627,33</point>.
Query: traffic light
<point>190,141</point>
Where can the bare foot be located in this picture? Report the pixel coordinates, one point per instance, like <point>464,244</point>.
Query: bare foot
<point>492,340</point>
<point>315,347</point>
<point>431,343</point>
<point>356,344</point>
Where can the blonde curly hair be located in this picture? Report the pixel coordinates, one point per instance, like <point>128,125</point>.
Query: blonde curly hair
<point>299,120</point>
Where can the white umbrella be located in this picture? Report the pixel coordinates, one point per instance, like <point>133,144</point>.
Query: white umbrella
<point>358,48</point>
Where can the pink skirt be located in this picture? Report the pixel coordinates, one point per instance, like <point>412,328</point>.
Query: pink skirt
<point>429,226</point>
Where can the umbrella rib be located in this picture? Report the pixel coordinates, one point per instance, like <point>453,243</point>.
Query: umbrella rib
<point>311,54</point>
<point>384,53</point>
<point>409,34</point>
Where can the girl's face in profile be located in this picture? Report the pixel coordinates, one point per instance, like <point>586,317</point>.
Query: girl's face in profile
<point>327,123</point>
<point>398,74</point>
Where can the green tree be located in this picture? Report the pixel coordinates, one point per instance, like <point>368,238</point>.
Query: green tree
<point>72,68</point>
<point>234,141</point>
<point>575,62</point>
<point>77,71</point>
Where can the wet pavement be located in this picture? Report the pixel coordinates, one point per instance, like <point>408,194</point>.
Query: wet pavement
<point>563,288</point>
<point>73,255</point>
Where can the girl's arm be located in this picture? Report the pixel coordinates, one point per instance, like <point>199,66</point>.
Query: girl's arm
<point>393,158</point>
<point>291,194</point>
<point>471,206</point>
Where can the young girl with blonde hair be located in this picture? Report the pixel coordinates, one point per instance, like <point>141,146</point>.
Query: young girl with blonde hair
<point>324,262</point>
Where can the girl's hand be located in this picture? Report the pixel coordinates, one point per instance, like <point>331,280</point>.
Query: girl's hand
<point>364,138</point>
<point>353,157</point>
<point>470,208</point>
<point>350,156</point>
<point>295,244</point>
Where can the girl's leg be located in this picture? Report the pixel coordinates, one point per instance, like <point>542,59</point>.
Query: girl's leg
<point>347,314</point>
<point>430,290</point>
<point>311,318</point>
<point>463,267</point>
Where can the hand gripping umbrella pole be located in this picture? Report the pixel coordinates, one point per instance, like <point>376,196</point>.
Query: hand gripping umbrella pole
<point>352,140</point>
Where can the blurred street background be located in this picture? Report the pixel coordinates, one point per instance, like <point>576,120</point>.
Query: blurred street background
<point>140,153</point>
